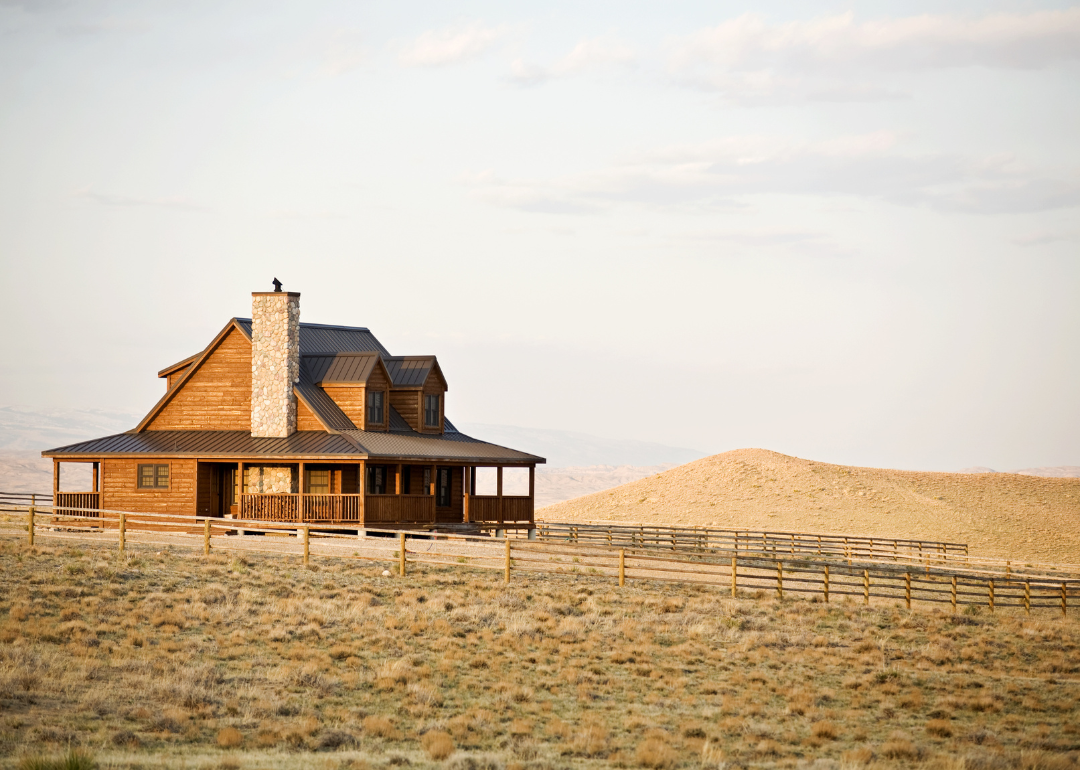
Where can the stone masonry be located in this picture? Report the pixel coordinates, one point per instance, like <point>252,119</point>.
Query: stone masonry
<point>269,479</point>
<point>275,363</point>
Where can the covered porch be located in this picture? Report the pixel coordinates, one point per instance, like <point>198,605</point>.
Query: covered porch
<point>367,494</point>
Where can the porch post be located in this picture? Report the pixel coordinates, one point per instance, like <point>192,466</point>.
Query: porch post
<point>434,480</point>
<point>465,473</point>
<point>397,480</point>
<point>300,496</point>
<point>55,479</point>
<point>240,489</point>
<point>532,491</point>
<point>498,491</point>
<point>94,483</point>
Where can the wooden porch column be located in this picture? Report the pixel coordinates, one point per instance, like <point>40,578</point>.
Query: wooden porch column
<point>94,483</point>
<point>300,496</point>
<point>434,480</point>
<point>465,474</point>
<point>498,491</point>
<point>397,480</point>
<point>55,479</point>
<point>101,484</point>
<point>532,492</point>
<point>240,490</point>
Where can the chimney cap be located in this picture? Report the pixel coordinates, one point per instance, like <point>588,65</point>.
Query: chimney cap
<point>277,285</point>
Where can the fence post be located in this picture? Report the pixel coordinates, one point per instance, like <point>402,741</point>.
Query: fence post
<point>307,544</point>
<point>1027,597</point>
<point>991,586</point>
<point>401,555</point>
<point>1064,601</point>
<point>206,537</point>
<point>507,560</point>
<point>826,583</point>
<point>819,545</point>
<point>30,527</point>
<point>123,531</point>
<point>734,575</point>
<point>779,580</point>
<point>954,594</point>
<point>793,544</point>
<point>622,567</point>
<point>1008,572</point>
<point>866,586</point>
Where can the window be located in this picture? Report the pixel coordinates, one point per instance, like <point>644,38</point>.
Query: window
<point>442,488</point>
<point>375,413</point>
<point>376,480</point>
<point>153,477</point>
<point>431,411</point>
<point>319,482</point>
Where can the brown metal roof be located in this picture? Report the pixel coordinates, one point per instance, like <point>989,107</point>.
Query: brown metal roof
<point>448,446</point>
<point>328,339</point>
<point>207,443</point>
<point>411,371</point>
<point>340,368</point>
<point>351,443</point>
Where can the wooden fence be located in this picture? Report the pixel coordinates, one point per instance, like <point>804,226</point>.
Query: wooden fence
<point>789,545</point>
<point>738,572</point>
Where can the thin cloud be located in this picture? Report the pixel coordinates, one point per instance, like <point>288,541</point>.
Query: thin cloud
<point>452,45</point>
<point>727,172</point>
<point>587,54</point>
<point>747,59</point>
<point>123,201</point>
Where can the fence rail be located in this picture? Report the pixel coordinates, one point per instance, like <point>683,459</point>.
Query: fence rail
<point>738,572</point>
<point>848,548</point>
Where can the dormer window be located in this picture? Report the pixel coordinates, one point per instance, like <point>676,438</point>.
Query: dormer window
<point>431,411</point>
<point>375,408</point>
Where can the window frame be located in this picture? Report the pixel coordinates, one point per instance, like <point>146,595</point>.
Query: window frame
<point>437,411</point>
<point>440,475</point>
<point>371,487</point>
<point>157,472</point>
<point>329,481</point>
<point>369,407</point>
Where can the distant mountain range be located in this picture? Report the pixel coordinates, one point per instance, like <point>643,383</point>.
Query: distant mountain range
<point>1057,472</point>
<point>37,430</point>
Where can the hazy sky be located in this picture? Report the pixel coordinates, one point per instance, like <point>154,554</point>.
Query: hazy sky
<point>846,231</point>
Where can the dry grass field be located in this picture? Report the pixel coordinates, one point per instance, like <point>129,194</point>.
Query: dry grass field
<point>1004,515</point>
<point>172,659</point>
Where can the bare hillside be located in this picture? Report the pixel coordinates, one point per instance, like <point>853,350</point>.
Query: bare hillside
<point>998,514</point>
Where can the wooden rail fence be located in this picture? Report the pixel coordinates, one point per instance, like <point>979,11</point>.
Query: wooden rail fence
<point>848,548</point>
<point>736,571</point>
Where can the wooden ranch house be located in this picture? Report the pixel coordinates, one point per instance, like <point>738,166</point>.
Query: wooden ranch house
<point>280,420</point>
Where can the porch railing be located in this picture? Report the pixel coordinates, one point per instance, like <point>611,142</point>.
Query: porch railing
<point>419,509</point>
<point>65,501</point>
<point>270,507</point>
<point>489,509</point>
<point>334,508</point>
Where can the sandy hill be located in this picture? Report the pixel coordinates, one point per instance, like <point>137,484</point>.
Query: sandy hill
<point>998,514</point>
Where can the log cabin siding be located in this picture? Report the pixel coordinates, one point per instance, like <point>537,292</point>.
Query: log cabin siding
<point>305,419</point>
<point>120,490</point>
<point>218,394</point>
<point>408,403</point>
<point>350,399</point>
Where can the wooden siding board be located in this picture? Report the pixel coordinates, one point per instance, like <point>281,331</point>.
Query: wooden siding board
<point>305,418</point>
<point>217,396</point>
<point>121,487</point>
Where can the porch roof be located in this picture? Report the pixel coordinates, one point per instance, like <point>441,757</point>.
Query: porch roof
<point>238,444</point>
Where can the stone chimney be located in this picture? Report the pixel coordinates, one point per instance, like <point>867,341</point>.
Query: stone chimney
<point>275,361</point>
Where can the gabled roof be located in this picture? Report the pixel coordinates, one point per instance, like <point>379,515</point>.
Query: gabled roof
<point>340,368</point>
<point>192,368</point>
<point>412,371</point>
<point>325,338</point>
